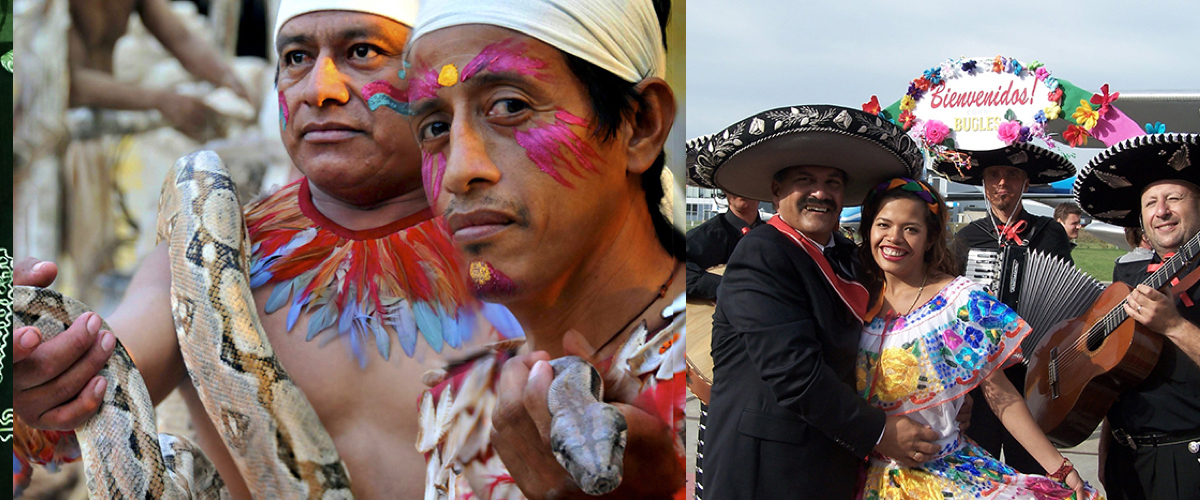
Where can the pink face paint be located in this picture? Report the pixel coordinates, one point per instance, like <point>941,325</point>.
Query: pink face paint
<point>505,56</point>
<point>283,111</point>
<point>489,282</point>
<point>544,145</point>
<point>433,169</point>
<point>424,86</point>
<point>381,93</point>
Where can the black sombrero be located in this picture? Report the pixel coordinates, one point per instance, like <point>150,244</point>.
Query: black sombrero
<point>1040,164</point>
<point>744,157</point>
<point>1110,187</point>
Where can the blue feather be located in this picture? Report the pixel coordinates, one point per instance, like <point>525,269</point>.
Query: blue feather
<point>429,324</point>
<point>356,347</point>
<point>466,324</point>
<point>297,304</point>
<point>279,297</point>
<point>503,320</point>
<point>450,331</point>
<point>324,318</point>
<point>260,279</point>
<point>400,316</point>
<point>383,341</point>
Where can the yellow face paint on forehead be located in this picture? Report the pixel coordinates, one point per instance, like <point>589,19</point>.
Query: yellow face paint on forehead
<point>448,76</point>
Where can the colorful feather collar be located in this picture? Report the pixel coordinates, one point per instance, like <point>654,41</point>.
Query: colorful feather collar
<point>404,278</point>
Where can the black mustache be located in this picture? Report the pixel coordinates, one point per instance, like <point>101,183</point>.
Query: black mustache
<point>817,202</point>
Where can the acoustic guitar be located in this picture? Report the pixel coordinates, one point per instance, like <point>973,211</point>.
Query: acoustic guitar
<point>1077,371</point>
<point>699,343</point>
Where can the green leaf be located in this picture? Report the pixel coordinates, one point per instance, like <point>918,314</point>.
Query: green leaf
<point>1010,115</point>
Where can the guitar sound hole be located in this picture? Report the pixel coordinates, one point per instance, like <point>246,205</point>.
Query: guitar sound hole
<point>1094,340</point>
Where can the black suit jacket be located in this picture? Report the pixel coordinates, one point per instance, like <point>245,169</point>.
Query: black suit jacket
<point>784,420</point>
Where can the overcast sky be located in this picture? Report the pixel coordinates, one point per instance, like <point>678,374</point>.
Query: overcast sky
<point>750,55</point>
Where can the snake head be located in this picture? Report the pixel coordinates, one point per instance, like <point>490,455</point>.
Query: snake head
<point>592,447</point>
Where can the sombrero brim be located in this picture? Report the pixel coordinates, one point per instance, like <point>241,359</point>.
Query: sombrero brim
<point>744,158</point>
<point>1040,164</point>
<point>1110,187</point>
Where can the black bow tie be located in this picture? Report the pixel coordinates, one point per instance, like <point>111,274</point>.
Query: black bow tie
<point>841,258</point>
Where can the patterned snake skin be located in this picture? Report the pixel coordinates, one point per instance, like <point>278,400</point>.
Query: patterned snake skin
<point>277,441</point>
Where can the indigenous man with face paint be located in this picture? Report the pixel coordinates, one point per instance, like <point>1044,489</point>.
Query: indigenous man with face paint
<point>542,125</point>
<point>351,253</point>
<point>784,419</point>
<point>1150,446</point>
<point>1005,175</point>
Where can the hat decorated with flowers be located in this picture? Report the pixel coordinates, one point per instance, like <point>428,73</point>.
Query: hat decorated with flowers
<point>1110,187</point>
<point>972,113</point>
<point>743,158</point>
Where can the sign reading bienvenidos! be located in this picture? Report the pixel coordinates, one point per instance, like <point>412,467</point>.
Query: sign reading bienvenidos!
<point>975,104</point>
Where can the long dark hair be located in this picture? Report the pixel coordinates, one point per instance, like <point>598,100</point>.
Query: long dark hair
<point>939,259</point>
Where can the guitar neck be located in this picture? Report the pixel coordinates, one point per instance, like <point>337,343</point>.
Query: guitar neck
<point>1156,280</point>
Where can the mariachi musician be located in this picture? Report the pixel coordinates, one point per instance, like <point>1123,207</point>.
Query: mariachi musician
<point>1005,175</point>
<point>1152,440</point>
<point>709,245</point>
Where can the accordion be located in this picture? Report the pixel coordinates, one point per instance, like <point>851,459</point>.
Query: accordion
<point>1043,289</point>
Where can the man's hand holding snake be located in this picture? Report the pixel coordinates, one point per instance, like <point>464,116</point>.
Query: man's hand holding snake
<point>56,386</point>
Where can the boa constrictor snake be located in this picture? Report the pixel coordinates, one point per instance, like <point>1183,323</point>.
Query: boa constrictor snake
<point>276,438</point>
<point>277,441</point>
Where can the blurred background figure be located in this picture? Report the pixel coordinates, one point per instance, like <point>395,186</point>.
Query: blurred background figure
<point>111,95</point>
<point>1071,217</point>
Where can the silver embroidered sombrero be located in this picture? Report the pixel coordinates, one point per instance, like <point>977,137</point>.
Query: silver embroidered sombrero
<point>744,157</point>
<point>1040,164</point>
<point>1110,187</point>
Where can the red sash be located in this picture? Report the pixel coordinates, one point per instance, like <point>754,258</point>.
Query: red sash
<point>854,295</point>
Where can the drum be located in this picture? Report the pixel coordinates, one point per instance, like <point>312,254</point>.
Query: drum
<point>699,343</point>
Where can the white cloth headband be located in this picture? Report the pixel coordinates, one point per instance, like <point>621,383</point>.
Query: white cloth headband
<point>401,11</point>
<point>621,36</point>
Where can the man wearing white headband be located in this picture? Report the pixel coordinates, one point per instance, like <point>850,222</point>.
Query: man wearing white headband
<point>361,203</point>
<point>542,125</point>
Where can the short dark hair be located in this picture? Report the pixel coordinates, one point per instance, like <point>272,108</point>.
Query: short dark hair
<point>1067,208</point>
<point>1134,236</point>
<point>613,100</point>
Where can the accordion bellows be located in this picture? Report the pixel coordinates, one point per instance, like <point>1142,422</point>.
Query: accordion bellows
<point>1043,289</point>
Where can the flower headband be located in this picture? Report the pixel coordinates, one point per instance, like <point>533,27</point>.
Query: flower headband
<point>904,183</point>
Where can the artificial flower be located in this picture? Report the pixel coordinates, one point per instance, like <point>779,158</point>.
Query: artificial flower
<point>1041,73</point>
<point>1075,135</point>
<point>1156,128</point>
<point>872,106</point>
<point>1036,65</point>
<point>906,119</point>
<point>1009,131</point>
<point>949,70</point>
<point>1084,115</point>
<point>968,66</point>
<point>934,75</point>
<point>998,64</point>
<point>1055,96</point>
<point>907,103</point>
<point>922,83</point>
<point>1040,116</point>
<point>1052,112</point>
<point>1015,67</point>
<point>914,91</point>
<point>1051,82</point>
<point>936,131</point>
<point>1024,135</point>
<point>1105,98</point>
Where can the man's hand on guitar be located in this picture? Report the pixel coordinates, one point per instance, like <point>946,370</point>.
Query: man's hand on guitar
<point>1153,309</point>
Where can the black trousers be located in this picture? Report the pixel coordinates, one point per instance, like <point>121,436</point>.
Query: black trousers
<point>700,450</point>
<point>1152,472</point>
<point>989,433</point>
